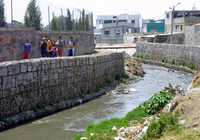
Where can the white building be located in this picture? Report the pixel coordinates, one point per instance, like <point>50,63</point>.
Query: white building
<point>181,19</point>
<point>111,28</point>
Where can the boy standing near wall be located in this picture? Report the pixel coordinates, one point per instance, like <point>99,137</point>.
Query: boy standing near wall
<point>27,50</point>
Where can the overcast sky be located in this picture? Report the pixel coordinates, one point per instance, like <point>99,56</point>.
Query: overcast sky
<point>147,8</point>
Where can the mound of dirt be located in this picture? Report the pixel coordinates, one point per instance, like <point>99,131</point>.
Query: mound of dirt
<point>196,81</point>
<point>189,109</point>
<point>133,68</point>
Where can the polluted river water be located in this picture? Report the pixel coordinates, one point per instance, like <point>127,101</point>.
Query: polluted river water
<point>117,103</point>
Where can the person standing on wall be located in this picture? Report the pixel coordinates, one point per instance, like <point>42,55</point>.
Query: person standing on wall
<point>50,48</point>
<point>61,44</point>
<point>43,47</point>
<point>27,50</point>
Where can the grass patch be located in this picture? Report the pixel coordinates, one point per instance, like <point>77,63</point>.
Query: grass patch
<point>167,128</point>
<point>166,123</point>
<point>103,130</point>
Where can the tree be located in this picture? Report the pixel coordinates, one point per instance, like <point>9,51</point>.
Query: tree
<point>54,23</point>
<point>32,16</point>
<point>87,22</point>
<point>69,22</point>
<point>83,20</point>
<point>2,17</point>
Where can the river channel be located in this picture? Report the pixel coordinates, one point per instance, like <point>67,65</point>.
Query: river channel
<point>117,103</point>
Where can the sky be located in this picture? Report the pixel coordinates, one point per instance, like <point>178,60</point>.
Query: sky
<point>153,9</point>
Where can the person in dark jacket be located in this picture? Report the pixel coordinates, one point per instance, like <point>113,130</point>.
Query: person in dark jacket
<point>43,47</point>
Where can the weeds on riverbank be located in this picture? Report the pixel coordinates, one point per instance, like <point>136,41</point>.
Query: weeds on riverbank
<point>104,130</point>
<point>171,61</point>
<point>166,122</point>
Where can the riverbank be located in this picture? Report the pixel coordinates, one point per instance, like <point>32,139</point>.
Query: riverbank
<point>112,129</point>
<point>142,125</point>
<point>156,119</point>
<point>166,64</point>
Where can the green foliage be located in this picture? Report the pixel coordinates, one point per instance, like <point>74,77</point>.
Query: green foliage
<point>32,16</point>
<point>70,23</point>
<point>157,102</point>
<point>55,23</point>
<point>2,12</point>
<point>122,78</point>
<point>137,114</point>
<point>167,122</point>
<point>104,129</point>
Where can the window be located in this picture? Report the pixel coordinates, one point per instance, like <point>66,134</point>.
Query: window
<point>106,32</point>
<point>181,27</point>
<point>133,21</point>
<point>123,21</point>
<point>117,32</point>
<point>107,21</point>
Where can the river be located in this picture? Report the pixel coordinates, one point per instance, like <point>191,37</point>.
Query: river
<point>64,125</point>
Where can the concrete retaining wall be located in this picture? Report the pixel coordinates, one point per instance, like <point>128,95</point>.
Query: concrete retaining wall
<point>183,54</point>
<point>12,41</point>
<point>31,84</point>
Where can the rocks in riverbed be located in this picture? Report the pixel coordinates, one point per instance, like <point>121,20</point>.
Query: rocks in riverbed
<point>133,68</point>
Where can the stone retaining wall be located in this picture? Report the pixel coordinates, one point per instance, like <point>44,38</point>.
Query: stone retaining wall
<point>186,55</point>
<point>31,84</point>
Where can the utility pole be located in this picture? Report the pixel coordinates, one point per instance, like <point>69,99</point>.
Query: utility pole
<point>49,19</point>
<point>74,20</point>
<point>172,21</point>
<point>62,20</point>
<point>172,25</point>
<point>11,12</point>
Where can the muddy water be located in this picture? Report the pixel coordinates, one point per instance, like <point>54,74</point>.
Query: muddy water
<point>64,125</point>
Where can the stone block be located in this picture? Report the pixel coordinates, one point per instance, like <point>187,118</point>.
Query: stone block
<point>23,67</point>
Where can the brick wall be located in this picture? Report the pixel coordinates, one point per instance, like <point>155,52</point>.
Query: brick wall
<point>12,41</point>
<point>27,84</point>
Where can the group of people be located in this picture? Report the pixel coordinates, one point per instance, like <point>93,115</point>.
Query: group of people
<point>52,48</point>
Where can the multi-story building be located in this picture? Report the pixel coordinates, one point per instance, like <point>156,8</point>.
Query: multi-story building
<point>111,28</point>
<point>181,19</point>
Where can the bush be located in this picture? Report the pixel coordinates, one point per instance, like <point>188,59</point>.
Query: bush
<point>157,102</point>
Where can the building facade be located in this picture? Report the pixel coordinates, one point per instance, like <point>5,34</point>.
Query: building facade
<point>181,19</point>
<point>153,26</point>
<point>111,28</point>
